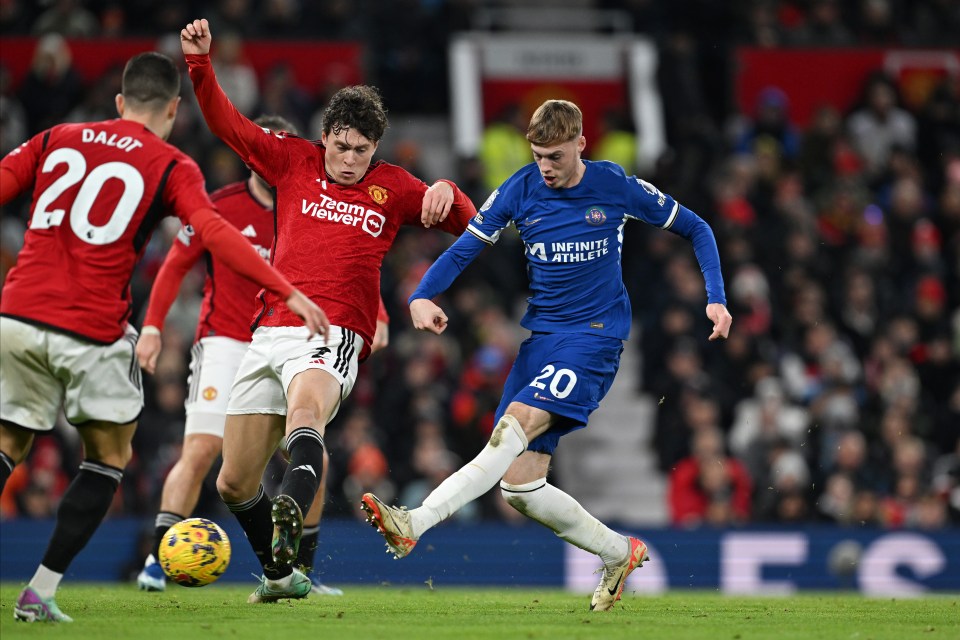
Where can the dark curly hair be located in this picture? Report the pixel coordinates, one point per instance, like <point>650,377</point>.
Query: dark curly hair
<point>359,107</point>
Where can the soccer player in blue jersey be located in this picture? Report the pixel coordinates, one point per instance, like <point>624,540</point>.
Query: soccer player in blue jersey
<point>570,214</point>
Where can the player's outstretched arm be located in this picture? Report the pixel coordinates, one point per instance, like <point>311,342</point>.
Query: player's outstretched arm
<point>427,316</point>
<point>721,319</point>
<point>224,120</point>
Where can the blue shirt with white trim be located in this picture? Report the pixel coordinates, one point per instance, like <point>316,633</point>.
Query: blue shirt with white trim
<point>573,240</point>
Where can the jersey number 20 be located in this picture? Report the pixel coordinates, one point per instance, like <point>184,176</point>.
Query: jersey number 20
<point>558,377</point>
<point>87,195</point>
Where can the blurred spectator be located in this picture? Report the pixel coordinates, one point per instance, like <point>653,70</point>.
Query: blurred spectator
<point>822,26</point>
<point>367,471</point>
<point>880,124</point>
<point>877,25</point>
<point>709,487</point>
<point>99,103</point>
<point>236,76</point>
<point>433,462</point>
<point>822,149</point>
<point>234,16</point>
<point>936,22</point>
<point>785,497</point>
<point>283,96</point>
<point>764,420</point>
<point>52,86</point>
<point>946,481</point>
<point>771,121</point>
<point>13,118</point>
<point>69,18</point>
<point>15,17</point>
<point>836,503</point>
<point>841,243</point>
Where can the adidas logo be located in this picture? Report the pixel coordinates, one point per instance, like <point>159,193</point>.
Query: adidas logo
<point>307,467</point>
<point>249,232</point>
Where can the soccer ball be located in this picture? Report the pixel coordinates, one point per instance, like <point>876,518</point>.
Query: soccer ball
<point>194,552</point>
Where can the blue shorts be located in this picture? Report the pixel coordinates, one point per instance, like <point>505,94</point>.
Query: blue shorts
<point>566,374</point>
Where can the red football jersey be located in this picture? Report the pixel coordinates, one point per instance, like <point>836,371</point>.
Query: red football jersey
<point>228,297</point>
<point>99,191</point>
<point>331,238</point>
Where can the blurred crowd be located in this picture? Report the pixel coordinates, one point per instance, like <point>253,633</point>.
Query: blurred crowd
<point>837,396</point>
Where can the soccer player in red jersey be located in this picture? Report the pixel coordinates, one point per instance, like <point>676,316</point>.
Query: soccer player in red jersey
<point>223,335</point>
<point>338,213</point>
<point>99,190</point>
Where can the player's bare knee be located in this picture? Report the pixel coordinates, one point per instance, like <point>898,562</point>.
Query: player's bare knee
<point>504,427</point>
<point>231,488</point>
<point>302,417</point>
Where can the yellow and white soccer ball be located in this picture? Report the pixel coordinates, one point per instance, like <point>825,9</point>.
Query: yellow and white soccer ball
<point>194,552</point>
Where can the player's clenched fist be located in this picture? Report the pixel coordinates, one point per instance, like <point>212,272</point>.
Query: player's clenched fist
<point>195,38</point>
<point>437,202</point>
<point>427,316</point>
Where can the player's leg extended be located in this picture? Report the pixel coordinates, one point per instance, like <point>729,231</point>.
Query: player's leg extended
<point>525,488</point>
<point>313,396</point>
<point>306,556</point>
<point>401,529</point>
<point>249,441</point>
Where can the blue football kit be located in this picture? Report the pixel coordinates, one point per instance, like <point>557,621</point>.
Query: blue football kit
<point>578,312</point>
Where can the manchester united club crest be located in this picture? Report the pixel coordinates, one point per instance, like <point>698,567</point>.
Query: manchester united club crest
<point>595,216</point>
<point>378,193</point>
<point>210,394</point>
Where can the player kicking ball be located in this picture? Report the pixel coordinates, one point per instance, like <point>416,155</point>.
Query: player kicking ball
<point>570,214</point>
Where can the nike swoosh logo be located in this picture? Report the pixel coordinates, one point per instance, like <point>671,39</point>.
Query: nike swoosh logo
<point>613,591</point>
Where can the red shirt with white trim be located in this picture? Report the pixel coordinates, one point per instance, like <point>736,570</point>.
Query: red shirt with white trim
<point>331,238</point>
<point>99,191</point>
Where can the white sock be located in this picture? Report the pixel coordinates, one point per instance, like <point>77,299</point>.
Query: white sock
<point>473,479</point>
<point>563,515</point>
<point>45,582</point>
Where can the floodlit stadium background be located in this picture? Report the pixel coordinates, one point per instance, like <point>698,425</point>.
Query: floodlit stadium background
<point>837,398</point>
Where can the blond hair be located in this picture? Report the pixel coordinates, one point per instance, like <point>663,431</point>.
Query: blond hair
<point>555,122</point>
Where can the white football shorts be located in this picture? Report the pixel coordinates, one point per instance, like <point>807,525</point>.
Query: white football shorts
<point>42,370</point>
<point>214,362</point>
<point>277,354</point>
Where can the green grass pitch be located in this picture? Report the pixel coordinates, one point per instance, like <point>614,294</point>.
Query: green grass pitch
<point>119,612</point>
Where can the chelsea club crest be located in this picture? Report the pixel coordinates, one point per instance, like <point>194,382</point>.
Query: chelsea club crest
<point>595,216</point>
